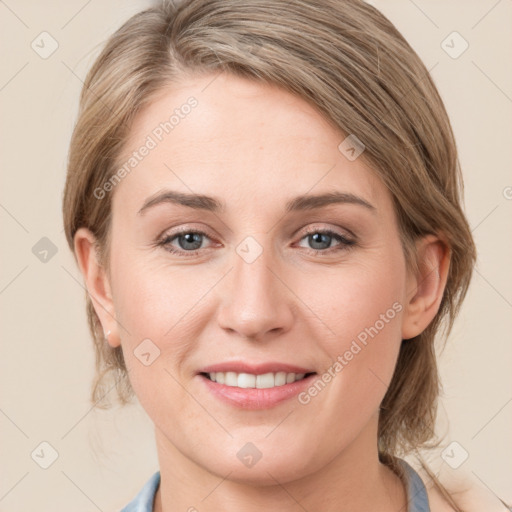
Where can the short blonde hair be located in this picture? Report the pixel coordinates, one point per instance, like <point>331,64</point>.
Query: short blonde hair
<point>347,60</point>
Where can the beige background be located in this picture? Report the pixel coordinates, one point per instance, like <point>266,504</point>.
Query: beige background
<point>47,365</point>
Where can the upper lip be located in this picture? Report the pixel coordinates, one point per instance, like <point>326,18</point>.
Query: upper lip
<point>254,368</point>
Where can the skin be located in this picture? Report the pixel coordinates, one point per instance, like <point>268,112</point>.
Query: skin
<point>255,147</point>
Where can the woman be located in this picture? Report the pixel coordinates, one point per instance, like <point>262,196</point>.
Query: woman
<point>264,199</point>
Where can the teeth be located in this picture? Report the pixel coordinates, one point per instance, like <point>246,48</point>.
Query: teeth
<point>280,378</point>
<point>248,380</point>
<point>267,380</point>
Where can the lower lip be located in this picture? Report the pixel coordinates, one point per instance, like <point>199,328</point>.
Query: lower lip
<point>254,398</point>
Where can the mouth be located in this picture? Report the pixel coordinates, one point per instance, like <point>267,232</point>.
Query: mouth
<point>255,381</point>
<point>255,391</point>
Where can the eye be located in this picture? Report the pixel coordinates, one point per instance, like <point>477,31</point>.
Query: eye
<point>321,239</point>
<point>189,242</point>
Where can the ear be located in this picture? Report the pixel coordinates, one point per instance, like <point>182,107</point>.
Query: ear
<point>97,283</point>
<point>425,289</point>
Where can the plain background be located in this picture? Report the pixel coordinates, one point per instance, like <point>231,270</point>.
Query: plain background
<point>46,367</point>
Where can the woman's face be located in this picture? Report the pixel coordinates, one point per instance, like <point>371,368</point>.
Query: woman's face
<point>258,278</point>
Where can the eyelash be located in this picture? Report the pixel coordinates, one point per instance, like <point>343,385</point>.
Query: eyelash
<point>344,245</point>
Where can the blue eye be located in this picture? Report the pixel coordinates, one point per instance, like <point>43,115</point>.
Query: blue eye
<point>325,237</point>
<point>189,242</point>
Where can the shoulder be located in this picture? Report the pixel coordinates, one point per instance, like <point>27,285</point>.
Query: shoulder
<point>144,500</point>
<point>467,492</point>
<point>436,500</point>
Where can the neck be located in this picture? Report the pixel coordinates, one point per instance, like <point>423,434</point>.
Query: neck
<point>353,480</point>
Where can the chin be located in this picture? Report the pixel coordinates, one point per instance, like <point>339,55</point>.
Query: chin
<point>265,467</point>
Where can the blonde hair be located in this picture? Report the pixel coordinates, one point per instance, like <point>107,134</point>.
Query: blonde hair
<point>347,60</point>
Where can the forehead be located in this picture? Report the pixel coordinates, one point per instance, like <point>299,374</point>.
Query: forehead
<point>229,136</point>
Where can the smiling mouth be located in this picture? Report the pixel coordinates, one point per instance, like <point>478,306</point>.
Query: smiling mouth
<point>249,380</point>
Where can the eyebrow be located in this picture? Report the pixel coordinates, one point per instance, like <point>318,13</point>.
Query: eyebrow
<point>213,204</point>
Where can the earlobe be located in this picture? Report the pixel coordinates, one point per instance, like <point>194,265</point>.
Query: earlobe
<point>425,289</point>
<point>97,283</point>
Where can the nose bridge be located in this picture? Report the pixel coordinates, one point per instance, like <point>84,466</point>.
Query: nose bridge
<point>252,265</point>
<point>256,301</point>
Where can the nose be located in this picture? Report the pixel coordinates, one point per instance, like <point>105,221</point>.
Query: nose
<point>256,302</point>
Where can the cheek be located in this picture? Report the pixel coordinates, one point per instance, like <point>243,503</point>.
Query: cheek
<point>160,314</point>
<point>150,295</point>
<point>359,301</point>
<point>363,312</point>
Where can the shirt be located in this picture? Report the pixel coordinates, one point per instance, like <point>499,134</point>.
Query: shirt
<point>417,499</point>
